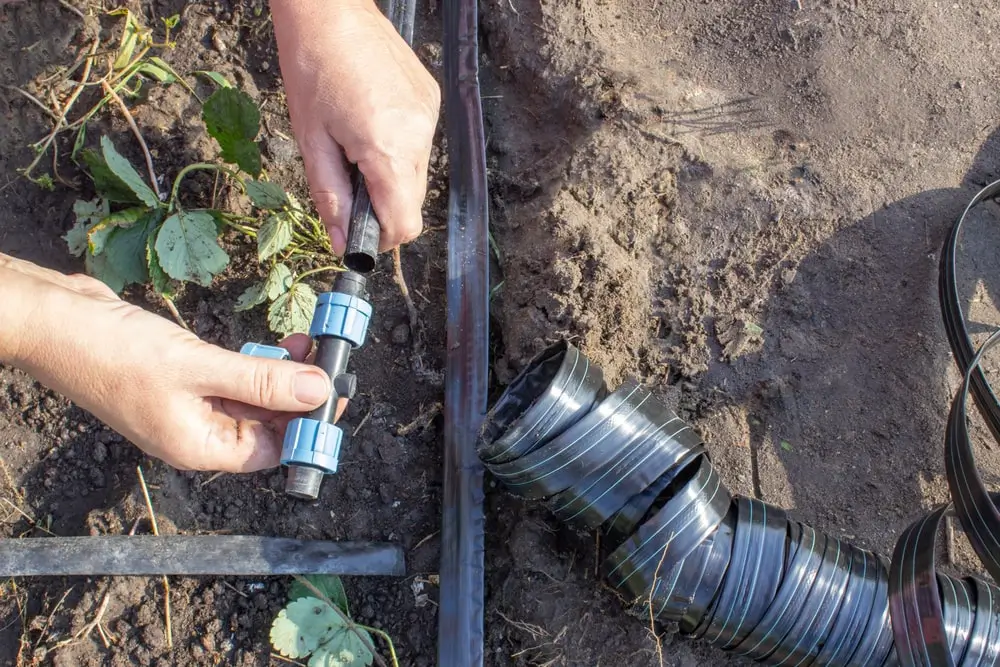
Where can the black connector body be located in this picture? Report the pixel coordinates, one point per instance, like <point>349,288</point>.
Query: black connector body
<point>333,353</point>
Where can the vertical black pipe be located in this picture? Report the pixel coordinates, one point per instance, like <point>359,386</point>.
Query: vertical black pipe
<point>460,617</point>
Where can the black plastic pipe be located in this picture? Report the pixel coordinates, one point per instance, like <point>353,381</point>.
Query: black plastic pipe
<point>365,231</point>
<point>195,555</point>
<point>460,613</point>
<point>737,572</point>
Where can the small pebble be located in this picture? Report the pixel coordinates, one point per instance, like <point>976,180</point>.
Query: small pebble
<point>100,452</point>
<point>401,334</point>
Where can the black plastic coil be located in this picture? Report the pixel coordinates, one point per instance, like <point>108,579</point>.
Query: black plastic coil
<point>732,571</point>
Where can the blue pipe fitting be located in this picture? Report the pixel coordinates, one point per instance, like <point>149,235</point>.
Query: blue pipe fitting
<point>343,316</point>
<point>312,443</point>
<point>266,351</point>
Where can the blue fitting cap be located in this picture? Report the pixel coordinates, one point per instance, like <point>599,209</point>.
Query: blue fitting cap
<point>268,351</point>
<point>343,316</point>
<point>313,443</point>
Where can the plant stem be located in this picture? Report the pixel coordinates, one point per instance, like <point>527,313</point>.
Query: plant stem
<point>62,113</point>
<point>305,274</point>
<point>173,311</point>
<point>198,166</point>
<point>388,641</point>
<point>301,253</point>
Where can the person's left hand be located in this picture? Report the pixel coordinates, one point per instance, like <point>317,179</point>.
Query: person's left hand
<point>194,405</point>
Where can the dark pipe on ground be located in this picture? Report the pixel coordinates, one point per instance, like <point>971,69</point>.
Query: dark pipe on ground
<point>195,555</point>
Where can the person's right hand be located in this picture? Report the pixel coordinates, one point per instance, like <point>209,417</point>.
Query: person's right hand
<point>357,93</point>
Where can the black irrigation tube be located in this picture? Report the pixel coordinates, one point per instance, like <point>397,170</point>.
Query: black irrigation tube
<point>460,613</point>
<point>736,572</point>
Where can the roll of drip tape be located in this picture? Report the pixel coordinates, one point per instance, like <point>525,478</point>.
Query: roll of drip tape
<point>735,572</point>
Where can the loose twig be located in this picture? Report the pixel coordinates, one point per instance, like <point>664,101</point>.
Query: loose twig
<point>422,420</point>
<point>397,274</point>
<point>138,135</point>
<point>166,584</point>
<point>176,313</point>
<point>48,622</point>
<point>652,616</point>
<point>84,632</point>
<point>73,9</point>
<point>37,102</point>
<point>61,122</point>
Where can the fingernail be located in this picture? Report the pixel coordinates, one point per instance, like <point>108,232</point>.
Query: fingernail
<point>311,387</point>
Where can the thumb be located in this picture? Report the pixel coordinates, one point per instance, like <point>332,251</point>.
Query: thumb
<point>329,185</point>
<point>272,384</point>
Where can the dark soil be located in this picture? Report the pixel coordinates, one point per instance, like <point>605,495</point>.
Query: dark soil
<point>665,176</point>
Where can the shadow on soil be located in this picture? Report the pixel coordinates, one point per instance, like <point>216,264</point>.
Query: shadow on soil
<point>838,397</point>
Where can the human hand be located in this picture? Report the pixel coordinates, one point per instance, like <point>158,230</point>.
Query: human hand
<point>358,94</point>
<point>192,404</point>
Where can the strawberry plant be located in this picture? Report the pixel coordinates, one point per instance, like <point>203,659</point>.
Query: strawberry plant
<point>131,233</point>
<point>317,624</point>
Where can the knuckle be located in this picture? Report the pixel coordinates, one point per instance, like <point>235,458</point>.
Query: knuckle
<point>263,384</point>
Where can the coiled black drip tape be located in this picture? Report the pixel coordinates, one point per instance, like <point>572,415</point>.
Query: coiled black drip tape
<point>735,572</point>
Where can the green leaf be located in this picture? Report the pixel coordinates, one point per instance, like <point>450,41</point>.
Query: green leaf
<point>124,170</point>
<point>279,279</point>
<point>329,585</point>
<point>302,626</point>
<point>76,239</point>
<point>171,21</point>
<point>245,154</point>
<point>252,297</point>
<point>130,38</point>
<point>787,446</point>
<point>99,267</point>
<point>81,137</point>
<point>155,71</point>
<point>88,214</point>
<point>292,311</point>
<point>188,249</point>
<point>45,182</point>
<point>91,212</point>
<point>274,235</point>
<point>106,183</point>
<point>157,276</point>
<point>232,117</point>
<point>265,194</point>
<point>125,249</point>
<point>98,235</point>
<point>220,221</point>
<point>215,78</point>
<point>344,649</point>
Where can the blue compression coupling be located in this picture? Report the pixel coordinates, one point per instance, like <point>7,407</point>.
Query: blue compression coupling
<point>267,351</point>
<point>341,315</point>
<point>313,443</point>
